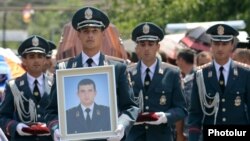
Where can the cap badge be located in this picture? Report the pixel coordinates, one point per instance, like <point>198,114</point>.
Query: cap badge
<point>220,30</point>
<point>35,41</point>
<point>88,14</point>
<point>145,29</point>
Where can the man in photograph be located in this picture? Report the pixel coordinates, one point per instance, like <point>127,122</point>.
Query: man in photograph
<point>88,116</point>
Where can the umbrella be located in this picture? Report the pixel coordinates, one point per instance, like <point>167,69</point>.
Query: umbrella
<point>197,39</point>
<point>170,47</point>
<point>13,63</point>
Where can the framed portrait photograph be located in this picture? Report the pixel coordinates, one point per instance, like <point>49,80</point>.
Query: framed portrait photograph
<point>87,103</point>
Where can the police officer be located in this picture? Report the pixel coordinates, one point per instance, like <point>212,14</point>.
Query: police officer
<point>27,96</point>
<point>157,87</point>
<point>49,67</point>
<point>221,88</point>
<point>90,22</point>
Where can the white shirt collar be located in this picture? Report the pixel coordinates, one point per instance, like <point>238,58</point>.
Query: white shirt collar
<point>225,66</point>
<point>152,67</point>
<point>95,58</point>
<point>31,79</point>
<point>91,107</point>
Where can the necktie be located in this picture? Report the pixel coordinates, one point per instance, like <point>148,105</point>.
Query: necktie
<point>89,62</point>
<point>36,91</point>
<point>221,79</point>
<point>88,120</point>
<point>147,80</point>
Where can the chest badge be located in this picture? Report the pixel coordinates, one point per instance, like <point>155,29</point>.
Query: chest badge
<point>237,101</point>
<point>163,100</point>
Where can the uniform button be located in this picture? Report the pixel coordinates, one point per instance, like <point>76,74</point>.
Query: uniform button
<point>38,106</point>
<point>146,127</point>
<point>224,119</point>
<point>38,115</point>
<point>146,107</point>
<point>223,109</point>
<point>223,100</point>
<point>146,97</point>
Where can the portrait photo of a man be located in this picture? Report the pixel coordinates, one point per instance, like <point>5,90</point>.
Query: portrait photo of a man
<point>88,115</point>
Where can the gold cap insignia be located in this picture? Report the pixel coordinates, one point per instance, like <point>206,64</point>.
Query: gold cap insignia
<point>220,30</point>
<point>237,101</point>
<point>145,29</point>
<point>163,100</point>
<point>35,41</point>
<point>88,14</point>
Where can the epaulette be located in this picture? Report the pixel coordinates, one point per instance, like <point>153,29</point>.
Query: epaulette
<point>242,64</point>
<point>132,65</point>
<point>62,64</point>
<point>107,57</point>
<point>204,66</point>
<point>168,65</point>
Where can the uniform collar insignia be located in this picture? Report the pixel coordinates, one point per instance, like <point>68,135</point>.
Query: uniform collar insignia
<point>88,14</point>
<point>21,83</point>
<point>160,71</point>
<point>210,74</point>
<point>235,72</point>
<point>35,41</point>
<point>98,112</point>
<point>145,29</point>
<point>74,64</point>
<point>134,72</point>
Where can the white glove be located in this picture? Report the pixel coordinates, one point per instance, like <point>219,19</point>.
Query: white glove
<point>57,135</point>
<point>161,119</point>
<point>119,133</point>
<point>19,128</point>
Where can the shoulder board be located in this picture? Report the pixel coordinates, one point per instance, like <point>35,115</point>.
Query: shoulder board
<point>204,66</point>
<point>242,64</point>
<point>168,65</point>
<point>107,57</point>
<point>62,64</point>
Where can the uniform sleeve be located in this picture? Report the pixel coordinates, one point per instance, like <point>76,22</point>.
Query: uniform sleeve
<point>195,114</point>
<point>7,122</point>
<point>178,109</point>
<point>248,94</point>
<point>51,111</point>
<point>128,109</point>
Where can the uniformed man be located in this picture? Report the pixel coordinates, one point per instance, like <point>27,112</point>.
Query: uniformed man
<point>157,86</point>
<point>27,96</point>
<point>49,67</point>
<point>221,90</point>
<point>90,22</point>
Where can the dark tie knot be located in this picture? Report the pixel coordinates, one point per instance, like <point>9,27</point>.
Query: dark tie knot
<point>89,62</point>
<point>87,110</point>
<point>221,69</point>
<point>36,82</point>
<point>147,70</point>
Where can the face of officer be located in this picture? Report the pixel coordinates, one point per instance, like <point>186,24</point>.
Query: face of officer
<point>91,39</point>
<point>221,51</point>
<point>34,63</point>
<point>87,94</point>
<point>147,51</point>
